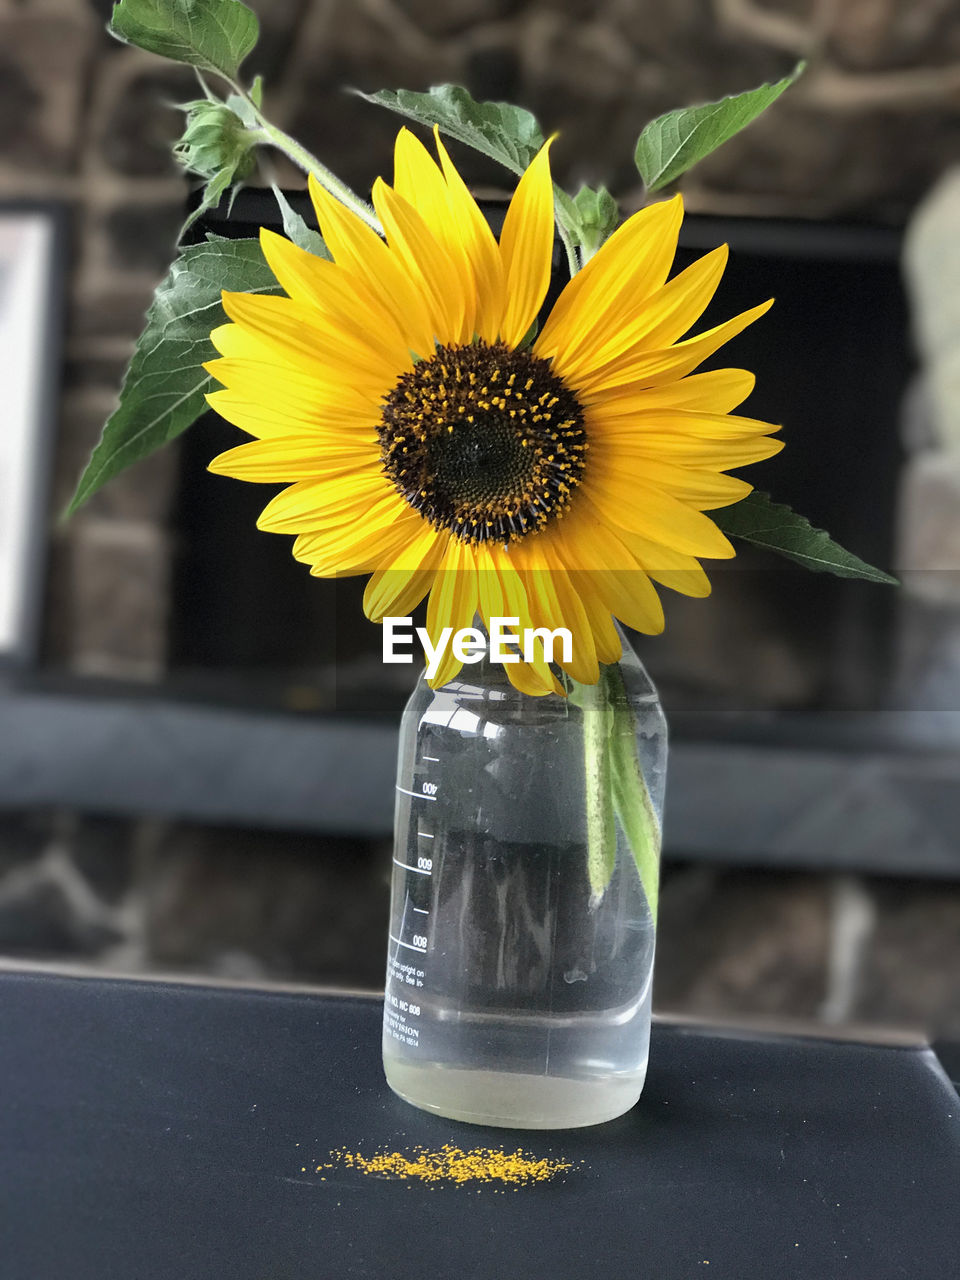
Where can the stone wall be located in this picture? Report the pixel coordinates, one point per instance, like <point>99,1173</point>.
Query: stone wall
<point>88,123</point>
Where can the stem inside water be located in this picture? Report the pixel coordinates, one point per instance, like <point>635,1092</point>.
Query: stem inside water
<point>601,827</point>
<point>615,788</point>
<point>631,795</point>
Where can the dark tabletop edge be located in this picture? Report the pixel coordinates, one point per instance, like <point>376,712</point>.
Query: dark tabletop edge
<point>781,1032</point>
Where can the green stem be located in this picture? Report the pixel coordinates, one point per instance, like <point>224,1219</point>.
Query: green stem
<point>303,159</point>
<point>586,252</point>
<point>269,133</point>
<point>631,796</point>
<point>598,793</point>
<point>573,263</point>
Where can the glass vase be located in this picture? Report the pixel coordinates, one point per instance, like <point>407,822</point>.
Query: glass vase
<point>523,906</point>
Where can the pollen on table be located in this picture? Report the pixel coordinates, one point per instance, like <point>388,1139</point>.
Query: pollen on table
<point>452,1165</point>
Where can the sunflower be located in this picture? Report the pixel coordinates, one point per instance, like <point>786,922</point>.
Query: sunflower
<point>427,441</point>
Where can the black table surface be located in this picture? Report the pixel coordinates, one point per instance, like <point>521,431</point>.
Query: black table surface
<point>153,1131</point>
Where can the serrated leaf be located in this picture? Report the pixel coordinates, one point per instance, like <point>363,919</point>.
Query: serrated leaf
<point>776,527</point>
<point>214,35</point>
<point>212,195</point>
<point>633,805</point>
<point>508,134</point>
<point>165,383</point>
<point>296,228</point>
<point>673,143</point>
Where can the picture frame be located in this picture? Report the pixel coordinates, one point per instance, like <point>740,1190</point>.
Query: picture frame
<point>32,280</point>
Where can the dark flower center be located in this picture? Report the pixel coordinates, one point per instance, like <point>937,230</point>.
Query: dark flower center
<point>483,441</point>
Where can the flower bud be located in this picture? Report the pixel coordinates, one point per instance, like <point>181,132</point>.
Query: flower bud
<point>215,139</point>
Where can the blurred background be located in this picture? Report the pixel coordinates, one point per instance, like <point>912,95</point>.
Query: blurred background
<point>197,739</point>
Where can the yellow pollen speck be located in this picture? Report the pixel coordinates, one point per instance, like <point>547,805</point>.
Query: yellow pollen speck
<point>452,1165</point>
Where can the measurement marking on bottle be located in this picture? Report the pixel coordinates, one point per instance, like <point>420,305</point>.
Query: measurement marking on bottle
<point>435,759</point>
<point>425,835</point>
<point>424,871</point>
<point>419,795</point>
<point>409,945</point>
<point>423,910</point>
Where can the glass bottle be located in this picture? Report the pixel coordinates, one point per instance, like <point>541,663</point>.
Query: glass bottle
<point>523,908</point>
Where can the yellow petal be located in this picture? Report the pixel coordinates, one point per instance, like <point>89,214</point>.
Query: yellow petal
<point>526,247</point>
<point>656,323</point>
<point>443,282</point>
<point>636,446</point>
<point>419,181</point>
<point>357,547</point>
<point>554,602</point>
<point>298,394</point>
<point>304,335</point>
<point>339,296</point>
<point>607,570</point>
<point>699,486</point>
<point>670,568</point>
<point>361,251</point>
<point>253,417</point>
<point>717,392</point>
<point>532,678</point>
<point>630,596</point>
<point>480,247</point>
<point>626,593</point>
<point>653,368</point>
<point>605,636</point>
<point>629,416</point>
<point>316,504</point>
<point>630,502</point>
<point>629,267</point>
<point>286,458</point>
<point>453,603</point>
<point>395,591</point>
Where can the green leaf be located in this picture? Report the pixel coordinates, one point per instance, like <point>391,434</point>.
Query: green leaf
<point>164,387</point>
<point>296,228</point>
<point>673,143</point>
<point>214,35</point>
<point>508,134</point>
<point>631,796</point>
<point>776,527</point>
<point>212,195</point>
